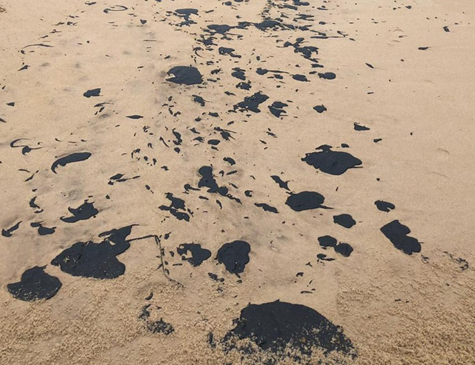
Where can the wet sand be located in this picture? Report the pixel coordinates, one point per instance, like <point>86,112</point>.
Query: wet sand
<point>237,182</point>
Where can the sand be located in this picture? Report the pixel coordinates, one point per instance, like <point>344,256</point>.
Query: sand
<point>389,84</point>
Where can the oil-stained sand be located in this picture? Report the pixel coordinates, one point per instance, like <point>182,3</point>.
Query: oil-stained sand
<point>226,182</point>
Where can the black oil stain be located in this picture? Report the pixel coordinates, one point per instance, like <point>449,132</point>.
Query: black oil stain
<point>244,86</point>
<point>327,75</point>
<point>225,133</point>
<point>234,255</point>
<point>229,160</point>
<point>96,260</point>
<point>239,73</point>
<point>215,277</point>
<point>276,325</point>
<point>277,108</point>
<point>185,75</point>
<point>207,180</point>
<point>323,257</point>
<point>42,230</point>
<point>24,148</point>
<point>331,162</point>
<point>252,102</point>
<point>81,213</point>
<point>228,51</point>
<point>307,52</point>
<point>360,128</point>
<point>35,206</point>
<point>320,108</point>
<point>198,99</point>
<point>35,284</point>
<point>344,249</point>
<point>298,77</point>
<point>267,24</point>
<point>117,178</point>
<point>115,8</point>
<point>266,207</point>
<point>176,208</point>
<point>185,14</point>
<point>282,184</point>
<point>198,254</point>
<point>219,28</point>
<point>74,157</point>
<point>344,220</point>
<point>384,206</point>
<point>327,241</point>
<point>397,233</point>
<point>92,92</point>
<point>463,264</point>
<point>9,231</point>
<point>177,135</point>
<point>159,326</point>
<point>306,200</point>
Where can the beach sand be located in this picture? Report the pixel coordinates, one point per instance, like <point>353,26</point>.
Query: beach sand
<point>203,122</point>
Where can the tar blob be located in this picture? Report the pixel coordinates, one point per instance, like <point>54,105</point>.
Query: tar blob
<point>397,233</point>
<point>277,108</point>
<point>344,249</point>
<point>198,254</point>
<point>319,108</point>
<point>74,157</point>
<point>266,207</point>
<point>327,241</point>
<point>252,102</point>
<point>305,200</point>
<point>9,231</point>
<point>384,206</point>
<point>276,325</point>
<point>344,220</point>
<point>42,230</point>
<point>185,75</point>
<point>96,260</point>
<point>327,75</point>
<point>83,212</point>
<point>35,284</point>
<point>331,162</point>
<point>176,208</point>
<point>234,255</point>
<point>92,92</point>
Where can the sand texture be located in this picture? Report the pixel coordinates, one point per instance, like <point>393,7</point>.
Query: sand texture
<point>237,182</point>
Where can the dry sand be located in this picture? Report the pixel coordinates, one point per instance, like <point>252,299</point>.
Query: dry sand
<point>395,308</point>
